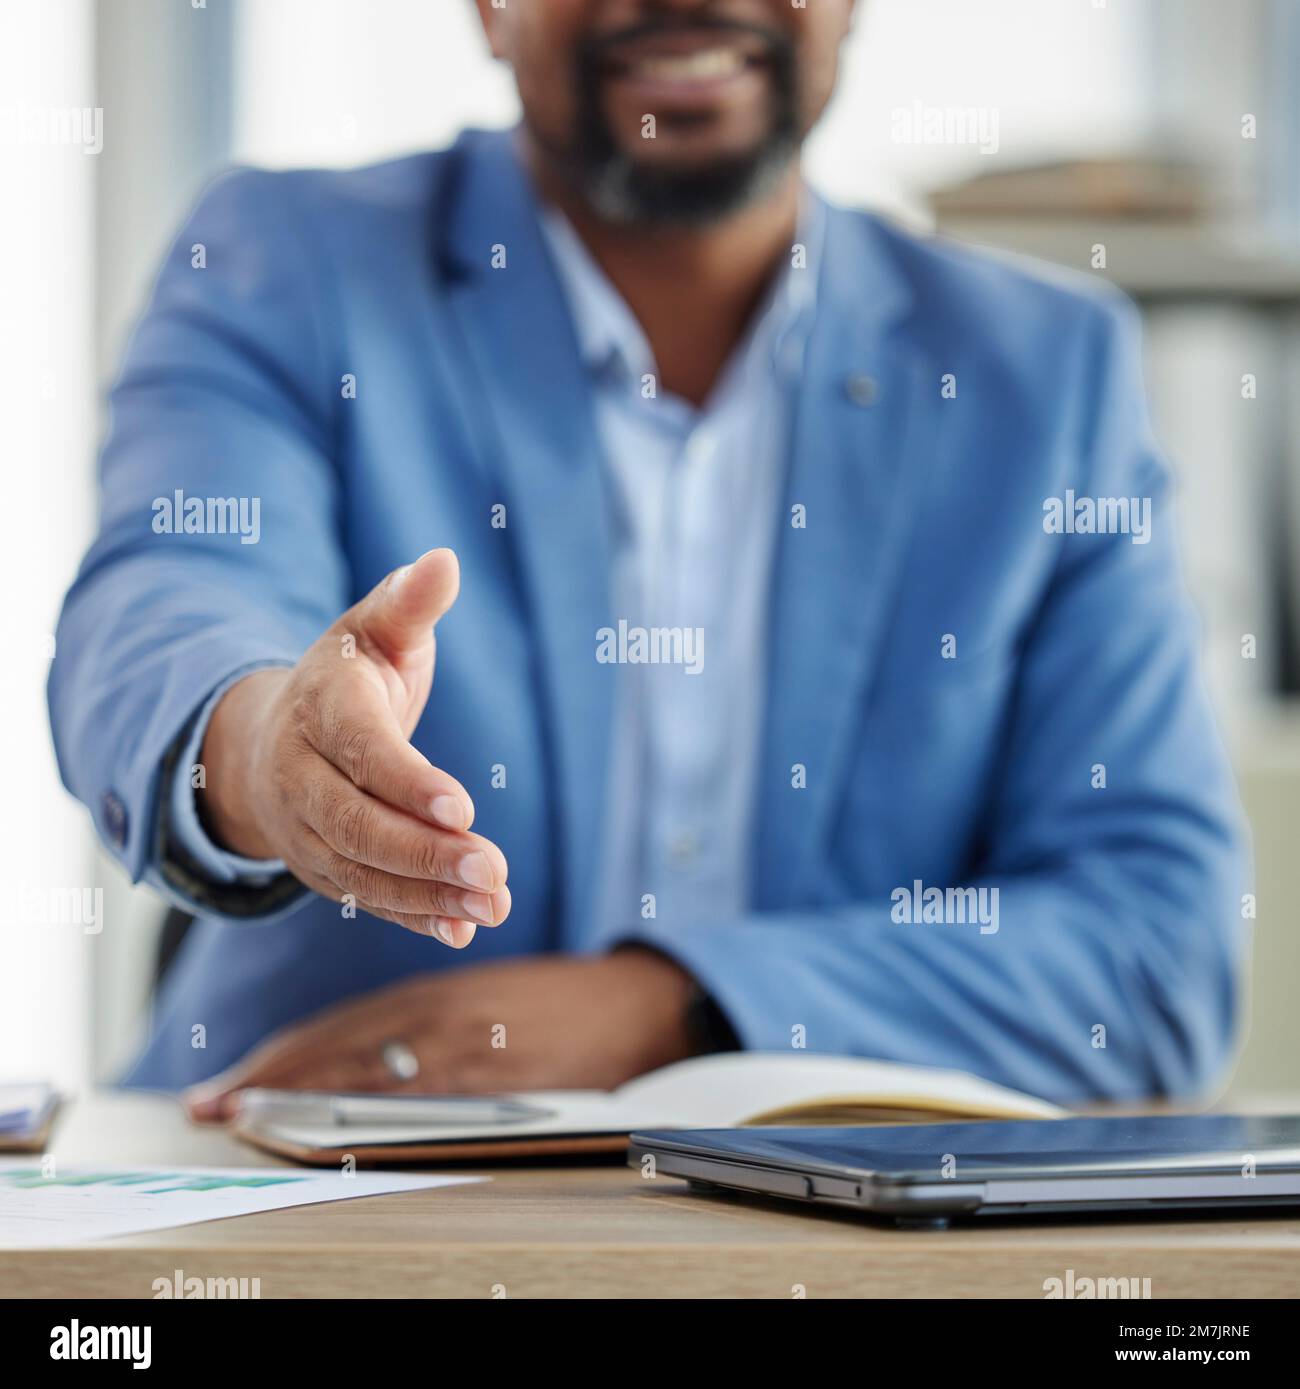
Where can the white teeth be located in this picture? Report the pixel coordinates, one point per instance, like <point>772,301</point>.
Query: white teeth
<point>707,64</point>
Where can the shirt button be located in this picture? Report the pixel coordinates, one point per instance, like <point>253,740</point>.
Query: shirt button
<point>861,389</point>
<point>116,821</point>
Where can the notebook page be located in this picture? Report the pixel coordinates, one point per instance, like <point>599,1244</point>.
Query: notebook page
<point>730,1089</point>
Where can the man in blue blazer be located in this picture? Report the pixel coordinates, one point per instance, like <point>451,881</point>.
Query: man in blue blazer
<point>812,653</point>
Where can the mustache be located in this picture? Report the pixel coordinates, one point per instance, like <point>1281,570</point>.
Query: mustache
<point>595,45</point>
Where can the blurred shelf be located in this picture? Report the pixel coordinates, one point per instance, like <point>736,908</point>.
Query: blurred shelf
<point>1150,260</point>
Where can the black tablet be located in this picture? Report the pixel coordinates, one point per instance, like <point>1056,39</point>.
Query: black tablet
<point>928,1173</point>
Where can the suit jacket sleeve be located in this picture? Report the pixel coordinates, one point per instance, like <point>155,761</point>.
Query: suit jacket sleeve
<point>227,394</point>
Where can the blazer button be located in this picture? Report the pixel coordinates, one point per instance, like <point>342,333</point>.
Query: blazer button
<point>861,390</point>
<point>116,821</point>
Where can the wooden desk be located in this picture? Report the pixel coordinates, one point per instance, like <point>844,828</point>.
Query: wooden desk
<point>606,1232</point>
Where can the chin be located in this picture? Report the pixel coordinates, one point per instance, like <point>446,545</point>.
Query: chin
<point>686,193</point>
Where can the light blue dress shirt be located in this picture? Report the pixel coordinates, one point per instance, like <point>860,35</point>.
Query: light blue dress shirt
<point>694,495</point>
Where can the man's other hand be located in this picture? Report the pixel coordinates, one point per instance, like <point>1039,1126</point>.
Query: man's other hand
<point>562,1022</point>
<point>314,766</point>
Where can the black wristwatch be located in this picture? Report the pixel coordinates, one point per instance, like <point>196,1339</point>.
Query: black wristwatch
<point>707,1026</point>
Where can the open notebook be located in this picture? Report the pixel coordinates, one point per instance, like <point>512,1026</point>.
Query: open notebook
<point>724,1091</point>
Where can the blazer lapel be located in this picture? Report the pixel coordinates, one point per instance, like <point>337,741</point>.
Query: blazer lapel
<point>861,446</point>
<point>535,414</point>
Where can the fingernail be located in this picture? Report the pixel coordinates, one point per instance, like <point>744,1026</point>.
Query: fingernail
<point>475,871</point>
<point>449,812</point>
<point>399,577</point>
<point>462,932</point>
<point>215,1110</point>
<point>500,904</point>
<point>203,1101</point>
<point>442,929</point>
<point>479,906</point>
<point>202,1106</point>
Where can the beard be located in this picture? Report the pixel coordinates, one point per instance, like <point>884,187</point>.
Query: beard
<point>620,189</point>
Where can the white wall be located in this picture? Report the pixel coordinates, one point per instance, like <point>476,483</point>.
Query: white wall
<point>335,82</point>
<point>1062,77</point>
<point>47,390</point>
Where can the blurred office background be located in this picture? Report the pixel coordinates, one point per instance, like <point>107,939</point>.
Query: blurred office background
<point>1165,131</point>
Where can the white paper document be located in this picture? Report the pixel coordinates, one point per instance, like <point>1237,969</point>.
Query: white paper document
<point>74,1204</point>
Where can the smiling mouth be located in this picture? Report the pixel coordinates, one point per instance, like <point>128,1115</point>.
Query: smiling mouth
<point>684,59</point>
<point>704,65</point>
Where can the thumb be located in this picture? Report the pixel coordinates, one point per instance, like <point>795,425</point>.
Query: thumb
<point>401,611</point>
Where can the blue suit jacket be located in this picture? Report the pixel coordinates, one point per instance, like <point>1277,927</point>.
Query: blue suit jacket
<point>924,521</point>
